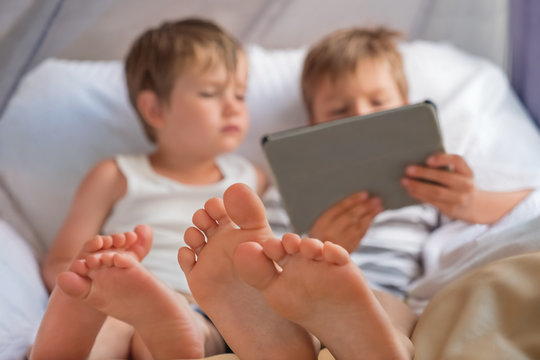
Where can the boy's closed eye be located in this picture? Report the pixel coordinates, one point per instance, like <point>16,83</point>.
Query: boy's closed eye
<point>377,103</point>
<point>208,93</point>
<point>338,110</point>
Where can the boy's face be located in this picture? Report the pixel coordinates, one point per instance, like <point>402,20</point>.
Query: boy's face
<point>371,88</point>
<point>206,114</point>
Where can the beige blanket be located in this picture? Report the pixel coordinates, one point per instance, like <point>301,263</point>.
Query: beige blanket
<point>491,313</point>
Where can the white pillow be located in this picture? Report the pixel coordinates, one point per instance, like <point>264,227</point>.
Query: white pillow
<point>68,115</point>
<point>23,298</point>
<point>65,117</point>
<point>480,116</point>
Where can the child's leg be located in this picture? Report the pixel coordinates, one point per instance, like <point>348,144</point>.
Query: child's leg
<point>69,327</point>
<point>319,288</point>
<point>118,285</point>
<point>240,312</point>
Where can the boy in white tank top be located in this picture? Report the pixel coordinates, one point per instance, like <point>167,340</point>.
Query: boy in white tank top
<point>187,81</point>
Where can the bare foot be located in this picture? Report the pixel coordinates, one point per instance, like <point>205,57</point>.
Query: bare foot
<point>115,283</point>
<point>240,313</point>
<point>70,326</point>
<point>319,288</point>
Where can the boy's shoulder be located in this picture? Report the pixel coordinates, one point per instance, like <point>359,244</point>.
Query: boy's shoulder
<point>105,173</point>
<point>104,181</point>
<point>132,165</point>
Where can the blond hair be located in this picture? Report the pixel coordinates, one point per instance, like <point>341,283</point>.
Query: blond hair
<point>160,55</point>
<point>340,52</point>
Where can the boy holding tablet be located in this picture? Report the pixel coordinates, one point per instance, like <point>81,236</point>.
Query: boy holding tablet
<point>356,72</point>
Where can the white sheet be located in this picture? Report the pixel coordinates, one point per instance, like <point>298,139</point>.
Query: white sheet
<point>457,248</point>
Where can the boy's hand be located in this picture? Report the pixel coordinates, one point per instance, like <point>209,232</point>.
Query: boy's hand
<point>346,222</point>
<point>452,192</point>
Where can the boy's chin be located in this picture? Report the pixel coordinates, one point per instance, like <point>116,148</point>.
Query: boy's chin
<point>227,148</point>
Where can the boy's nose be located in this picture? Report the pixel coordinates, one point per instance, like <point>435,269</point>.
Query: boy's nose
<point>231,105</point>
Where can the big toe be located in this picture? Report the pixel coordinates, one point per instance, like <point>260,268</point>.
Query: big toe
<point>144,240</point>
<point>73,284</point>
<point>253,266</point>
<point>244,207</point>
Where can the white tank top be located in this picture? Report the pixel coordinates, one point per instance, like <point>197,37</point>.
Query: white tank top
<point>168,206</point>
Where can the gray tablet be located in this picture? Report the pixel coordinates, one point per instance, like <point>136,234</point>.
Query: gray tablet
<point>316,166</point>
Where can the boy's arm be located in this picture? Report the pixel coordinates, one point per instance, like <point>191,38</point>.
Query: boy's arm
<point>454,194</point>
<point>489,207</point>
<point>347,221</point>
<point>91,205</point>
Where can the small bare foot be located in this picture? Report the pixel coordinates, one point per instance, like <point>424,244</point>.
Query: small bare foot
<point>136,244</point>
<point>240,313</point>
<point>114,282</point>
<point>319,288</point>
<point>70,326</point>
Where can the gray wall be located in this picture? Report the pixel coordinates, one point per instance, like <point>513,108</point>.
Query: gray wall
<point>478,26</point>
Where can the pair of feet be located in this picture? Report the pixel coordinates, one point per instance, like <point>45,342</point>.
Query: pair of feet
<point>266,296</point>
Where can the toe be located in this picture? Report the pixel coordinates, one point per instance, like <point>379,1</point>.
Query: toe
<point>195,239</point>
<point>244,207</point>
<point>93,261</point>
<point>273,249</point>
<point>107,259</point>
<point>107,242</point>
<point>118,240</point>
<point>335,254</point>
<point>311,249</point>
<point>123,261</point>
<point>131,238</point>
<point>216,210</point>
<point>253,266</point>
<point>203,221</point>
<point>79,267</point>
<point>144,241</point>
<point>94,244</point>
<point>291,243</point>
<point>186,259</point>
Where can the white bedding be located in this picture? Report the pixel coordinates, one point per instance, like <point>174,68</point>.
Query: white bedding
<point>458,247</point>
<point>23,297</point>
<point>68,115</point>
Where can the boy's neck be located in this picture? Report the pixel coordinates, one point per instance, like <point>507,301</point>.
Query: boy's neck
<point>190,171</point>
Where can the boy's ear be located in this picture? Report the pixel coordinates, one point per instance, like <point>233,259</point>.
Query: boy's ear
<point>150,108</point>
